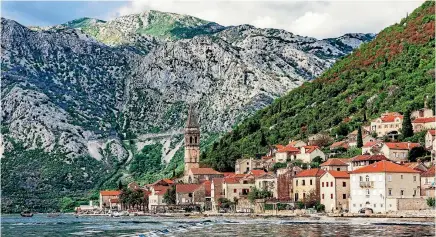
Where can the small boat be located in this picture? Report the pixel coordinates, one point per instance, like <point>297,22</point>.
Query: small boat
<point>26,214</point>
<point>115,214</point>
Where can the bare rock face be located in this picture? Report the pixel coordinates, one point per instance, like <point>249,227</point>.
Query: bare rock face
<point>86,87</point>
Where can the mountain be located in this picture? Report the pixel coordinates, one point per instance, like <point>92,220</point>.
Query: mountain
<point>90,102</point>
<point>393,72</point>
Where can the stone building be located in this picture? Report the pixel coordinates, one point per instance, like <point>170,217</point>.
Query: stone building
<point>336,164</point>
<point>109,199</point>
<point>306,184</point>
<point>198,175</point>
<point>243,166</point>
<point>192,143</point>
<point>422,124</point>
<point>389,124</point>
<point>397,151</point>
<point>364,160</point>
<point>284,182</point>
<point>428,182</point>
<point>267,182</point>
<point>190,194</point>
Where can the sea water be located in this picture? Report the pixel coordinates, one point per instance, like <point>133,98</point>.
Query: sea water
<point>144,226</point>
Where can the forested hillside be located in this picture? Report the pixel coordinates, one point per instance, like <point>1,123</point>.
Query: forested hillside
<point>393,72</point>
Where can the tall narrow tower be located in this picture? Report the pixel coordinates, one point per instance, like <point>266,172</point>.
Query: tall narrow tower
<point>192,141</point>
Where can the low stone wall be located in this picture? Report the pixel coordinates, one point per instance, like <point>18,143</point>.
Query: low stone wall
<point>412,204</point>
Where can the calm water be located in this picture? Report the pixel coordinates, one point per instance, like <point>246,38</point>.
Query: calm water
<point>68,225</point>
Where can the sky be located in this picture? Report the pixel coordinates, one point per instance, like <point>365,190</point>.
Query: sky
<point>307,18</point>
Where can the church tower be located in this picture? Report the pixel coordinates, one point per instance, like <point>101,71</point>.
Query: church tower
<point>192,141</point>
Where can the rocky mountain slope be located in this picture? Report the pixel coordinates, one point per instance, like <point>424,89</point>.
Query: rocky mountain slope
<point>105,90</point>
<point>394,72</point>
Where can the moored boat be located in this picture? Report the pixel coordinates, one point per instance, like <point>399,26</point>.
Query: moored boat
<point>26,214</point>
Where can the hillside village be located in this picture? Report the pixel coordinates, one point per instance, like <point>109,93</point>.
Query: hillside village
<point>390,174</point>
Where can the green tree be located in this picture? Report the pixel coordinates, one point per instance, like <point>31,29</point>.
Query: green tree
<point>170,196</point>
<point>277,166</point>
<point>120,185</point>
<point>431,202</point>
<point>359,137</point>
<point>416,152</point>
<point>258,194</point>
<point>407,130</point>
<point>67,204</point>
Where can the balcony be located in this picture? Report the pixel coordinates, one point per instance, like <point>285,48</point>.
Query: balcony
<point>367,184</point>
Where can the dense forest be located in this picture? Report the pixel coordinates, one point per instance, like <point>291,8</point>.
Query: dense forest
<point>393,72</point>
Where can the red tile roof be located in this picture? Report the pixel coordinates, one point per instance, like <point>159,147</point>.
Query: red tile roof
<point>369,158</point>
<point>310,149</point>
<point>384,167</point>
<point>187,188</point>
<point>343,144</point>
<point>369,144</point>
<point>432,132</point>
<point>231,180</point>
<point>334,162</point>
<point>311,173</point>
<point>160,189</point>
<point>257,173</point>
<point>401,145</point>
<point>429,173</point>
<point>110,193</point>
<point>390,118</point>
<point>203,171</point>
<point>339,174</point>
<point>288,149</point>
<point>168,181</point>
<point>425,120</point>
<point>226,174</point>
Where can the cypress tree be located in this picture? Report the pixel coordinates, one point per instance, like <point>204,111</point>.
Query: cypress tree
<point>359,137</point>
<point>120,185</point>
<point>407,125</point>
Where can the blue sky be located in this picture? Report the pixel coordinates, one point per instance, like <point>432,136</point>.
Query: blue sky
<point>331,18</point>
<point>54,13</point>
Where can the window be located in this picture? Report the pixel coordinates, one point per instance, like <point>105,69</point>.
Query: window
<point>235,190</point>
<point>322,184</point>
<point>311,182</point>
<point>344,184</point>
<point>414,178</point>
<point>361,179</point>
<point>402,192</point>
<point>401,176</point>
<point>331,196</point>
<point>327,184</point>
<point>367,192</point>
<point>331,184</point>
<point>344,196</point>
<point>389,178</point>
<point>323,196</point>
<point>375,205</point>
<point>360,205</point>
<point>296,182</point>
<point>338,169</point>
<point>381,205</point>
<point>395,155</point>
<point>426,180</point>
<point>354,205</point>
<point>304,182</point>
<point>414,192</point>
<point>390,192</point>
<point>304,195</point>
<point>248,163</point>
<point>367,178</point>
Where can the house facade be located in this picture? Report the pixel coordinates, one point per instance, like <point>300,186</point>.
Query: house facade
<point>378,186</point>
<point>335,164</point>
<point>243,166</point>
<point>284,153</point>
<point>335,190</point>
<point>429,138</point>
<point>267,182</point>
<point>156,196</point>
<point>109,199</point>
<point>190,193</point>
<point>428,181</point>
<point>307,153</point>
<point>421,124</point>
<point>360,161</point>
<point>198,175</point>
<point>306,183</point>
<point>397,151</point>
<point>387,124</point>
<point>235,188</point>
<point>284,182</point>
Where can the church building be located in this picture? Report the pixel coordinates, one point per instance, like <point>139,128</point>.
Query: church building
<point>193,173</point>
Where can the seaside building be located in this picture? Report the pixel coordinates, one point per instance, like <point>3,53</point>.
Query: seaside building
<point>428,182</point>
<point>190,194</point>
<point>307,153</point>
<point>384,186</point>
<point>267,182</point>
<point>156,196</point>
<point>110,199</point>
<point>429,138</point>
<point>335,190</point>
<point>284,182</point>
<point>421,124</point>
<point>306,184</point>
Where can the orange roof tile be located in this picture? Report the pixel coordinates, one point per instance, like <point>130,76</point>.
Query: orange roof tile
<point>339,174</point>
<point>169,181</point>
<point>432,132</point>
<point>288,149</point>
<point>343,144</point>
<point>187,188</point>
<point>310,149</point>
<point>425,120</point>
<point>334,162</point>
<point>257,173</point>
<point>429,173</point>
<point>401,145</point>
<point>200,171</point>
<point>384,167</point>
<point>110,193</point>
<point>369,144</point>
<point>311,173</point>
<point>390,118</point>
<point>369,157</point>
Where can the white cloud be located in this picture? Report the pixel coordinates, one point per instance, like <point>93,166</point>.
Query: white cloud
<point>308,18</point>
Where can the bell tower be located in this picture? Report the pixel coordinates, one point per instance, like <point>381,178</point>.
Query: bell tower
<point>192,141</point>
